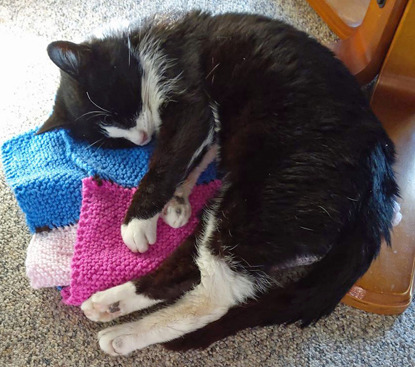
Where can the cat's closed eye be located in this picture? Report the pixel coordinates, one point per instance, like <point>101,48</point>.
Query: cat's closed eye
<point>100,98</point>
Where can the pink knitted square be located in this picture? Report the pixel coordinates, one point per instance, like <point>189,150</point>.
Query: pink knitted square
<point>101,260</point>
<point>48,259</point>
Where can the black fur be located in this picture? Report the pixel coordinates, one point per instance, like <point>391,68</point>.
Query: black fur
<point>306,162</point>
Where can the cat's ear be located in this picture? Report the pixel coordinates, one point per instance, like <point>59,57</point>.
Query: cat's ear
<point>70,57</point>
<point>52,123</point>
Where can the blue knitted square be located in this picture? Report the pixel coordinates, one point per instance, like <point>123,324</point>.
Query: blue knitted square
<point>45,173</point>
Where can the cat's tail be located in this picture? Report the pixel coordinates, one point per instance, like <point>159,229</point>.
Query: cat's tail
<point>318,293</point>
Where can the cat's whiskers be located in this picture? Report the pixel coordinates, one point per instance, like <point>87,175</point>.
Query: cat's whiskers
<point>91,145</point>
<point>212,71</point>
<point>96,105</point>
<point>105,119</point>
<point>100,146</point>
<point>98,115</point>
<point>129,48</point>
<point>94,113</point>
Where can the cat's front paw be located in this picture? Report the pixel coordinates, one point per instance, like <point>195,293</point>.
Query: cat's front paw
<point>177,211</point>
<point>138,234</point>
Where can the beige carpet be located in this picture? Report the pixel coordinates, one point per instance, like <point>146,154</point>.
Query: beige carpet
<point>36,329</point>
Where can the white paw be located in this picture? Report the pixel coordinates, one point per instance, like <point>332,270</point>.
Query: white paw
<point>121,339</point>
<point>177,211</point>
<point>109,304</point>
<point>397,215</point>
<point>114,302</point>
<point>139,233</point>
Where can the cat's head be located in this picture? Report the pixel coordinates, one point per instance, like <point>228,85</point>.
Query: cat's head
<point>99,96</point>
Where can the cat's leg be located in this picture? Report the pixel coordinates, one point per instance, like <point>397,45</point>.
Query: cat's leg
<point>177,211</point>
<point>187,129</point>
<point>176,275</point>
<point>259,312</point>
<point>220,289</point>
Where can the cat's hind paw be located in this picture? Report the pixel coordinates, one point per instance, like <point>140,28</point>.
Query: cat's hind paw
<point>109,304</point>
<point>177,211</point>
<point>120,340</point>
<point>115,302</point>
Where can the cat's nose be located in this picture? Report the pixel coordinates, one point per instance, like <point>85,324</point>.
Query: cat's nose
<point>145,138</point>
<point>140,137</point>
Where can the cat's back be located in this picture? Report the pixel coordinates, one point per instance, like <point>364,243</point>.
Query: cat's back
<point>235,52</point>
<point>248,55</point>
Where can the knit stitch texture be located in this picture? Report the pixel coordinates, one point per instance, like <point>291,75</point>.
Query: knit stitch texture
<point>45,173</point>
<point>49,255</point>
<point>101,260</point>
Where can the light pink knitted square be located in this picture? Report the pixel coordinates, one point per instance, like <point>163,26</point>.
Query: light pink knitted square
<point>101,260</point>
<point>49,256</point>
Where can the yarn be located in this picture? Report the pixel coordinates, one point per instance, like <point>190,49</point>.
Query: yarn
<point>46,184</point>
<point>101,260</point>
<point>45,173</point>
<point>49,255</point>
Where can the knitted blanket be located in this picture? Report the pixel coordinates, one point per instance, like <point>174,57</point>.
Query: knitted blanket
<point>101,260</point>
<point>49,256</point>
<point>45,173</point>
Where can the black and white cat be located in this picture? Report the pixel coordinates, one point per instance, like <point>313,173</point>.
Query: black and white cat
<point>308,190</point>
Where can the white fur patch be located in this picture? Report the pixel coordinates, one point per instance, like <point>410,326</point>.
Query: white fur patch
<point>155,87</point>
<point>210,137</point>
<point>300,261</point>
<point>136,135</point>
<point>139,233</point>
<point>115,302</point>
<point>208,141</point>
<point>397,215</point>
<point>215,110</point>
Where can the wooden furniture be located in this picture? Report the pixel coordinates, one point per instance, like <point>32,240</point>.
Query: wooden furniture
<point>387,287</point>
<point>342,20</point>
<point>366,35</point>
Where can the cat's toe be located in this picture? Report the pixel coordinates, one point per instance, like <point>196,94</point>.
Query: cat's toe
<point>177,212</point>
